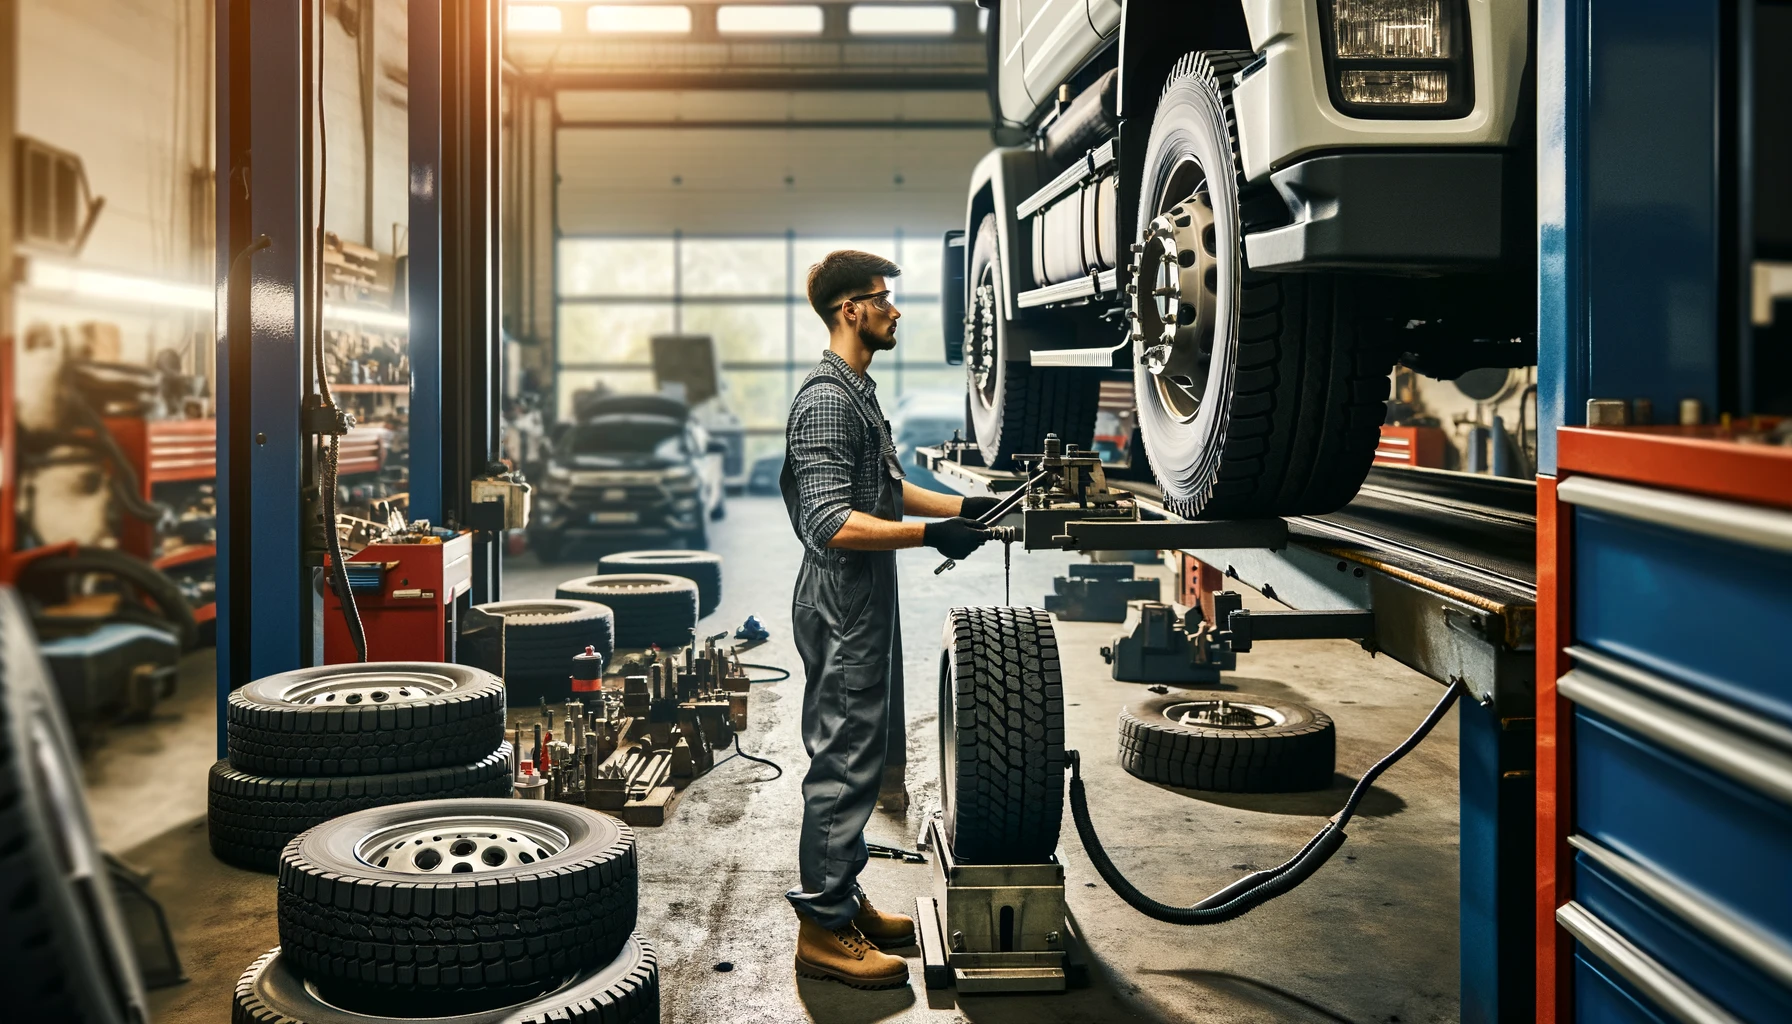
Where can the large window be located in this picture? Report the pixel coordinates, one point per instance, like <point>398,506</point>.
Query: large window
<point>746,292</point>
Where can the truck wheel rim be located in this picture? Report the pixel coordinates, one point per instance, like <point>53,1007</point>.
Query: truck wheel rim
<point>1175,292</point>
<point>467,844</point>
<point>368,687</point>
<point>981,338</point>
<point>1223,714</point>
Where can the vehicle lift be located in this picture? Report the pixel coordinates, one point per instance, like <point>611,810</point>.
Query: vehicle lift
<point>1462,625</point>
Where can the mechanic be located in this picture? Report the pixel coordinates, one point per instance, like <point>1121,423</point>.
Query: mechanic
<point>846,494</point>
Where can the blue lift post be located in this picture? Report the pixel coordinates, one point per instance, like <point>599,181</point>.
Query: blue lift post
<point>269,537</point>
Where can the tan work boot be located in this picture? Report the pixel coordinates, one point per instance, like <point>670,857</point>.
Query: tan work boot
<point>845,956</point>
<point>886,931</point>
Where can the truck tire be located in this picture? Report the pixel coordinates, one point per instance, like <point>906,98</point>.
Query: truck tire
<point>372,719</point>
<point>1014,404</point>
<point>1257,394</point>
<point>651,608</point>
<point>624,991</point>
<point>64,952</point>
<point>251,818</point>
<point>541,637</point>
<point>1268,746</point>
<point>703,568</point>
<point>457,896</point>
<point>1001,735</point>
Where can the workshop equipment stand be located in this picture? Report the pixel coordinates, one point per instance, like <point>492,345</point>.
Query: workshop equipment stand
<point>995,927</point>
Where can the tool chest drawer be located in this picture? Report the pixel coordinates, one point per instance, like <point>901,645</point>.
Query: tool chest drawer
<point>1709,833</point>
<point>1602,996</point>
<point>1677,946</point>
<point>1693,606</point>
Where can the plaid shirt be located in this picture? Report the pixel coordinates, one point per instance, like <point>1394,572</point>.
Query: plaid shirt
<point>836,443</point>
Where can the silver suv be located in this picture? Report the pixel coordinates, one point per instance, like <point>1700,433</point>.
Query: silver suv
<point>1254,207</point>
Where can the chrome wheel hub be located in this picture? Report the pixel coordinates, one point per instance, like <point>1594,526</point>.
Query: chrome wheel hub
<point>1223,714</point>
<point>1175,293</point>
<point>372,687</point>
<point>980,339</point>
<point>460,845</point>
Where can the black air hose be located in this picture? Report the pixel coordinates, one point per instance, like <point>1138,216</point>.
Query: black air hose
<point>1259,887</point>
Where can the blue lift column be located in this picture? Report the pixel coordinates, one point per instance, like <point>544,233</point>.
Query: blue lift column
<point>270,534</point>
<point>456,342</point>
<point>263,255</point>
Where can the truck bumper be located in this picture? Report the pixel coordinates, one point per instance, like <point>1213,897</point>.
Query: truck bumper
<point>1387,212</point>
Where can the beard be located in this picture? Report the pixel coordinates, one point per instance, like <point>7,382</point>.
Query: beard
<point>878,342</point>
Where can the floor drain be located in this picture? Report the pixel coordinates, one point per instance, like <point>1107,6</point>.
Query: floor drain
<point>725,966</point>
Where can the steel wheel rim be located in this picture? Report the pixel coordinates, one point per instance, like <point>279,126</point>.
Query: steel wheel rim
<point>1175,292</point>
<point>459,845</point>
<point>1220,713</point>
<point>368,687</point>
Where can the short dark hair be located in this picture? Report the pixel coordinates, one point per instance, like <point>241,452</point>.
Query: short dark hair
<point>841,274</point>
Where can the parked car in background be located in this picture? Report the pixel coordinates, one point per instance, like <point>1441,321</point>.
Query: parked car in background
<point>763,478</point>
<point>635,470</point>
<point>922,419</point>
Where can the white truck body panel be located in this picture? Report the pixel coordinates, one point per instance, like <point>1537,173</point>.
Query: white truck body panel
<point>1285,111</point>
<point>1058,38</point>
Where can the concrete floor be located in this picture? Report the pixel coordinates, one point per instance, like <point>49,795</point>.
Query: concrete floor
<point>1372,937</point>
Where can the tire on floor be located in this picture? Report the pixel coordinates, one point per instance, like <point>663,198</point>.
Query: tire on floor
<point>251,817</point>
<point>368,719</point>
<point>703,568</point>
<point>542,636</point>
<point>1228,742</point>
<point>651,608</point>
<point>457,896</point>
<point>1001,735</point>
<point>624,991</point>
<point>64,952</point>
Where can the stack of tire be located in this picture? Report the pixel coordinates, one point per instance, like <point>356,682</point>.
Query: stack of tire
<point>651,609</point>
<point>482,911</point>
<point>314,744</point>
<point>703,568</point>
<point>541,638</point>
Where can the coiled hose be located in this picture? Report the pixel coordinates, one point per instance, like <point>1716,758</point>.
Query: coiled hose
<point>1258,887</point>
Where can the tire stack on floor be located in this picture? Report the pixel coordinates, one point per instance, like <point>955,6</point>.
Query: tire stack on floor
<point>313,744</point>
<point>478,911</point>
<point>703,568</point>
<point>650,608</point>
<point>541,637</point>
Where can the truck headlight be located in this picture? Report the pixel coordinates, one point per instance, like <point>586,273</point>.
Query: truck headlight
<point>1397,58</point>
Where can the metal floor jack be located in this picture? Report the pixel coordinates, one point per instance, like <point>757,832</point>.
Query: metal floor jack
<point>995,927</point>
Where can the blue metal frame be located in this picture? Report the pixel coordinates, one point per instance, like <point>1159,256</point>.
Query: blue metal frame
<point>260,376</point>
<point>425,108</point>
<point>1631,265</point>
<point>1497,867</point>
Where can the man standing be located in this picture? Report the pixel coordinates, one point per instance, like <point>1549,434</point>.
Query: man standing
<point>846,494</point>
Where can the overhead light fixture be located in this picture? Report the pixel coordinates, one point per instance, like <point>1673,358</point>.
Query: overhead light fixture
<point>72,280</point>
<point>532,18</point>
<point>769,19</point>
<point>901,20</point>
<point>646,18</point>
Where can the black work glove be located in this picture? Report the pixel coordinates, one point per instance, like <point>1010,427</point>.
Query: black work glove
<point>954,538</point>
<point>976,507</point>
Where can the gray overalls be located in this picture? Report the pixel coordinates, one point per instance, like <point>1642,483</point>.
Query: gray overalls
<point>847,630</point>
